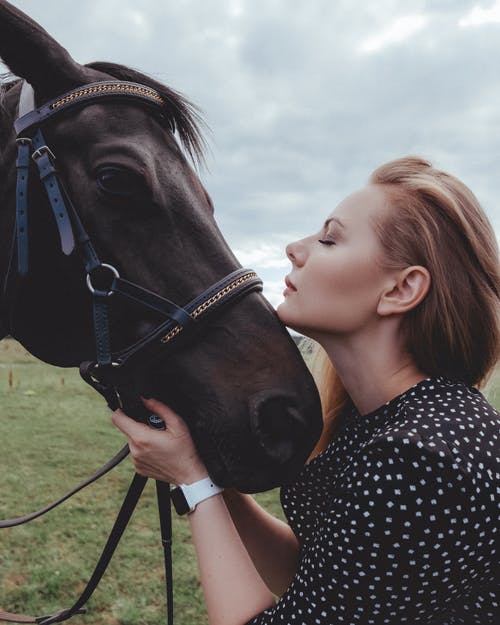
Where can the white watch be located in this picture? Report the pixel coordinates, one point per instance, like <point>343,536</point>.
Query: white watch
<point>186,497</point>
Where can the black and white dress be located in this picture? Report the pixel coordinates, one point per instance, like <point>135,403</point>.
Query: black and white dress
<point>398,519</point>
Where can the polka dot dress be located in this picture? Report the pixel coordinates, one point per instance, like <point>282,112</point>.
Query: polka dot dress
<point>398,518</point>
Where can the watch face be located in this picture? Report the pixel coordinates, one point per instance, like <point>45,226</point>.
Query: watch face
<point>179,500</point>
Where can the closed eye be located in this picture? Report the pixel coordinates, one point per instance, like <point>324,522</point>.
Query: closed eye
<point>326,241</point>
<point>120,181</point>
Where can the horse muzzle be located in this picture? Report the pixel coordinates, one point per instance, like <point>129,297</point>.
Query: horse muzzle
<point>278,426</point>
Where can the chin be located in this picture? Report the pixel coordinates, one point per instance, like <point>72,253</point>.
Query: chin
<point>293,322</point>
<point>282,314</point>
<point>290,322</point>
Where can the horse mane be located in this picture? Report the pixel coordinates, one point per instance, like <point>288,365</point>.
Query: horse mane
<point>7,80</point>
<point>183,116</point>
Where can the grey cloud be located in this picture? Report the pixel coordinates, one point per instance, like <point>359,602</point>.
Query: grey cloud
<point>299,115</point>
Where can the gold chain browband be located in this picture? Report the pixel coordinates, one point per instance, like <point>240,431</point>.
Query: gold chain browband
<point>108,88</point>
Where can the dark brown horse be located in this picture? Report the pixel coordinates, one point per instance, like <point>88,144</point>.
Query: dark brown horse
<point>240,382</point>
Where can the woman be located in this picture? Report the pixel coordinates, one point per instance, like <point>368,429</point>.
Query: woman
<point>394,520</point>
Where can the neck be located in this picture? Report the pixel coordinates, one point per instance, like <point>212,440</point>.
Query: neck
<point>373,369</point>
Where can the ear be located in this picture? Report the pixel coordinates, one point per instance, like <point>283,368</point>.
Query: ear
<point>408,289</point>
<point>31,53</point>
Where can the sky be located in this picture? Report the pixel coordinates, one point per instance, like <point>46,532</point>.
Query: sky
<point>304,98</point>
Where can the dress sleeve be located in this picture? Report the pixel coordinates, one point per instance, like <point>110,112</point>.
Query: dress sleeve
<point>395,544</point>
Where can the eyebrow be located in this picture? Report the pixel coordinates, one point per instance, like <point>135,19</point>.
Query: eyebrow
<point>335,220</point>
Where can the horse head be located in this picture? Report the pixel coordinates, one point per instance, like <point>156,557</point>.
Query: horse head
<point>240,382</point>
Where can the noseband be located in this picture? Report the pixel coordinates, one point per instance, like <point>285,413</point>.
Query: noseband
<point>110,369</point>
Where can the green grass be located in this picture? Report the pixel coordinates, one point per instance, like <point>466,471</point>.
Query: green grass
<point>55,431</point>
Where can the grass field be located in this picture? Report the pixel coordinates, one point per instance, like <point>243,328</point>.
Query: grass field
<point>55,431</point>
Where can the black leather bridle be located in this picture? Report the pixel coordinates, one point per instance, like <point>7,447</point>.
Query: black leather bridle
<point>110,370</point>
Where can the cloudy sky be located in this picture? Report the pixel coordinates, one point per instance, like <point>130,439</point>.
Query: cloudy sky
<point>304,98</point>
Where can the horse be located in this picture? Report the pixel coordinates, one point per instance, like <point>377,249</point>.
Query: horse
<point>128,167</point>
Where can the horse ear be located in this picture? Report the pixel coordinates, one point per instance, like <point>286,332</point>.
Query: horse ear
<point>31,53</point>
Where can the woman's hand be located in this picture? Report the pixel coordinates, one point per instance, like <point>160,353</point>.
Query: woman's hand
<point>233,588</point>
<point>167,455</point>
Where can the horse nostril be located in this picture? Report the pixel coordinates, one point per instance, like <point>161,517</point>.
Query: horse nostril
<point>277,425</point>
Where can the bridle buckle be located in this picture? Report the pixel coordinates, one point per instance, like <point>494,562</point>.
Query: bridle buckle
<point>24,141</point>
<point>44,149</point>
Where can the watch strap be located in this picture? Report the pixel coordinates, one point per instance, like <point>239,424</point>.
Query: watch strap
<point>186,497</point>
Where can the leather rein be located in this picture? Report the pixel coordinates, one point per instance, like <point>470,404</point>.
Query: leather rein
<point>110,370</point>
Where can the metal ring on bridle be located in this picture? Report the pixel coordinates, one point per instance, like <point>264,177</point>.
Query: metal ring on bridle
<point>113,271</point>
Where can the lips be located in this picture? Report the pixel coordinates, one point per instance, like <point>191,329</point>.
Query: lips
<point>289,283</point>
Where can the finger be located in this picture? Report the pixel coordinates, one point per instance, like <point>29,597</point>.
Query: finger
<point>162,410</point>
<point>127,425</point>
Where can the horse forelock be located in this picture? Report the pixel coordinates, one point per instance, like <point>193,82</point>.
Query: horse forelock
<point>183,114</point>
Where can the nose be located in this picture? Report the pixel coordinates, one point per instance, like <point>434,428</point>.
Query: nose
<point>296,252</point>
<point>277,425</point>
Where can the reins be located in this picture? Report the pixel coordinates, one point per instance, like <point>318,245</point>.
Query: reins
<point>110,371</point>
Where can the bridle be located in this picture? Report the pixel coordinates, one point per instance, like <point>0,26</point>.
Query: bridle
<point>111,370</point>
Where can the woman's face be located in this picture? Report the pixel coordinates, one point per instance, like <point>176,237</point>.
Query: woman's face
<point>336,278</point>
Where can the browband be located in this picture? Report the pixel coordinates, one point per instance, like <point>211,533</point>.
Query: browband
<point>106,89</point>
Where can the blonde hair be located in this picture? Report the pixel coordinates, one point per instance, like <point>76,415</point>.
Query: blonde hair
<point>433,220</point>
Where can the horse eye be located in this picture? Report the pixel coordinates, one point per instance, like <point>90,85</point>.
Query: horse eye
<point>119,181</point>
